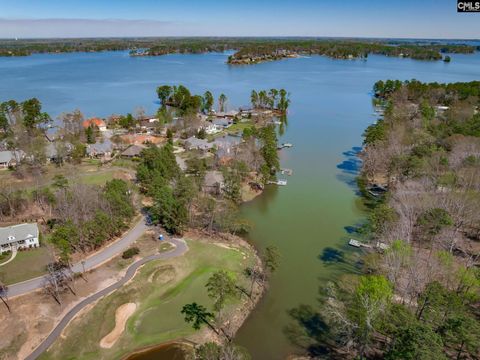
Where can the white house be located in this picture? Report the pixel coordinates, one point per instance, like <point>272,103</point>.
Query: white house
<point>211,129</point>
<point>22,236</point>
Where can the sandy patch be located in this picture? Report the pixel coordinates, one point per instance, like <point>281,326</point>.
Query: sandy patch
<point>121,316</point>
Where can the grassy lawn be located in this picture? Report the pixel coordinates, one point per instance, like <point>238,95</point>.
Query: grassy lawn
<point>97,178</point>
<point>26,265</point>
<point>238,127</point>
<point>87,172</point>
<point>160,289</point>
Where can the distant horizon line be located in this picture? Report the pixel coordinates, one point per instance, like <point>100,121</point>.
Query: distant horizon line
<point>239,37</point>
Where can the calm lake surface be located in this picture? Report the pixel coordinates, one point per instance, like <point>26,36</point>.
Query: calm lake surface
<point>331,106</point>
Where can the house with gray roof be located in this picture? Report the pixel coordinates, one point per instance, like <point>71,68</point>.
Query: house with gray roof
<point>21,236</point>
<point>52,151</point>
<point>193,143</point>
<point>133,151</point>
<point>102,149</point>
<point>223,123</point>
<point>10,158</point>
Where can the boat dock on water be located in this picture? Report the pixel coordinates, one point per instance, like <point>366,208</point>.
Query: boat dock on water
<point>358,244</point>
<point>278,182</point>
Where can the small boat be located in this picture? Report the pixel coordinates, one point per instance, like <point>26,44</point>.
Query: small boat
<point>285,145</point>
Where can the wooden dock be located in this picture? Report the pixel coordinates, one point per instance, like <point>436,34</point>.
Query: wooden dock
<point>378,245</point>
<point>358,244</point>
<point>278,182</point>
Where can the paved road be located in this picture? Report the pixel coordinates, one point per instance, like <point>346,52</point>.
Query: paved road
<point>90,263</point>
<point>180,248</point>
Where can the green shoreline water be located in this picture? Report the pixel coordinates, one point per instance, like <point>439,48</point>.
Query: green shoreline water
<point>331,107</point>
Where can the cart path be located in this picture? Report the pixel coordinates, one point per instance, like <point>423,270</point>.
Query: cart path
<point>89,263</point>
<point>180,248</point>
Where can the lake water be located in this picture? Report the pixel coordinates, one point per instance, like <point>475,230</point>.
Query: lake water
<point>331,106</point>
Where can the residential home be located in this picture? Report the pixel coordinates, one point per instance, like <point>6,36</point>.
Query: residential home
<point>10,158</point>
<point>133,151</point>
<point>193,143</point>
<point>95,122</point>
<point>148,125</point>
<point>222,123</point>
<point>230,114</point>
<point>22,236</point>
<point>51,151</point>
<point>212,129</point>
<point>100,149</point>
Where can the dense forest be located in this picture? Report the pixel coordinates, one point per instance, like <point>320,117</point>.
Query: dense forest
<point>418,292</point>
<point>248,50</point>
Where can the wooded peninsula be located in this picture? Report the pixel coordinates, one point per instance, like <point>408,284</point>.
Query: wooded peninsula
<point>247,50</point>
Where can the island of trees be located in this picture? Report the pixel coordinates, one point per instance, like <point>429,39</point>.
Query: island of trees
<point>247,50</point>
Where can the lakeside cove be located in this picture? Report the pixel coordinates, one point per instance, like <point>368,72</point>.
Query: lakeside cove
<point>317,209</point>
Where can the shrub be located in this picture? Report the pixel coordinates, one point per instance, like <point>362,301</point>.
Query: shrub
<point>129,253</point>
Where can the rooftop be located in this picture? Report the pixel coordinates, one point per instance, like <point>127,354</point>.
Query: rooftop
<point>93,121</point>
<point>18,232</point>
<point>7,156</point>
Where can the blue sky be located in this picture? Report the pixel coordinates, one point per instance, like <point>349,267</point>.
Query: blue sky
<point>347,18</point>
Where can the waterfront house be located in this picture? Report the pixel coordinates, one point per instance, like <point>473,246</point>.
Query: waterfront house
<point>95,122</point>
<point>22,236</point>
<point>230,114</point>
<point>10,158</point>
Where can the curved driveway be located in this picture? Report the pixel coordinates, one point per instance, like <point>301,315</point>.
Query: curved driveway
<point>91,262</point>
<point>180,248</point>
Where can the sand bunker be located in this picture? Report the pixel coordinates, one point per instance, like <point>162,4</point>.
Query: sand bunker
<point>121,316</point>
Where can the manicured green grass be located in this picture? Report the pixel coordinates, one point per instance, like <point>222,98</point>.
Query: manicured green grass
<point>97,178</point>
<point>160,289</point>
<point>239,127</point>
<point>26,265</point>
